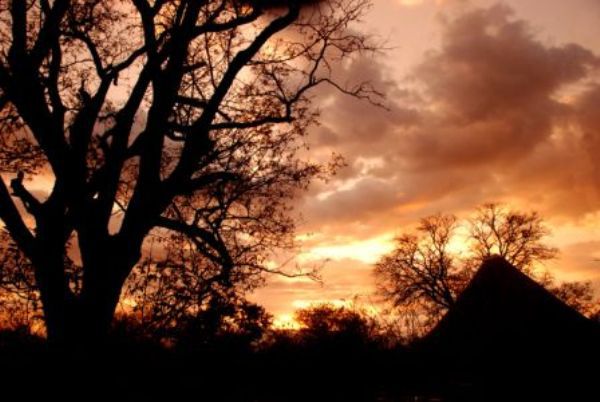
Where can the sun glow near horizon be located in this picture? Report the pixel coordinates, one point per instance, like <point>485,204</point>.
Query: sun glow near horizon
<point>367,251</point>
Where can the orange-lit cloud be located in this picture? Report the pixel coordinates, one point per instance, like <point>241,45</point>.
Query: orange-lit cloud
<point>492,110</point>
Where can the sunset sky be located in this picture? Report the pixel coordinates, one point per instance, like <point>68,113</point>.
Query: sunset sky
<point>487,102</point>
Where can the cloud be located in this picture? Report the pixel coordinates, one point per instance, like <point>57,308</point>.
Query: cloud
<point>491,114</point>
<point>586,109</point>
<point>491,91</point>
<point>582,260</point>
<point>366,196</point>
<point>484,116</point>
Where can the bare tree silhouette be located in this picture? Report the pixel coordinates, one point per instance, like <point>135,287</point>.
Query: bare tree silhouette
<point>422,276</point>
<point>515,236</point>
<point>421,271</point>
<point>578,294</point>
<point>148,115</point>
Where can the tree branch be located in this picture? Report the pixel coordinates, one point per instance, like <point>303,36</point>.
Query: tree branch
<point>202,125</point>
<point>49,32</point>
<point>14,222</point>
<point>31,203</point>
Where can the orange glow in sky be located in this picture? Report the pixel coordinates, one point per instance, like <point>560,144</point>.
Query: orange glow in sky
<point>489,102</point>
<point>486,102</point>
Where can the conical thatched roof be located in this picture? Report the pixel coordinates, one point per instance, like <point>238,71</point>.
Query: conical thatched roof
<point>509,331</point>
<point>503,312</point>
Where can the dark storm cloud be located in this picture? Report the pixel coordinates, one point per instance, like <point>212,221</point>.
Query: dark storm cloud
<point>493,113</point>
<point>353,123</point>
<point>492,88</point>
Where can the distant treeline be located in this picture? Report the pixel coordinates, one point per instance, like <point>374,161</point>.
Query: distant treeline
<point>337,354</point>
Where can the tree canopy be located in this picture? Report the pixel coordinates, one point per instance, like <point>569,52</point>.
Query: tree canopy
<point>152,117</point>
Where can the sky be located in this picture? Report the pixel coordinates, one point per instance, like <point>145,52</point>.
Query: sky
<point>485,102</point>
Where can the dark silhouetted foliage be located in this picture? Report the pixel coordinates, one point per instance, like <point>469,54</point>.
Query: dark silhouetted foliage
<point>153,118</point>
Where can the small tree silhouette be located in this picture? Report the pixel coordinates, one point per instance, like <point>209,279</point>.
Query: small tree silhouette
<point>515,236</point>
<point>422,271</point>
<point>422,277</point>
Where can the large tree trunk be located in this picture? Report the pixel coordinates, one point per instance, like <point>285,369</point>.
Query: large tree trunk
<point>97,305</point>
<point>83,321</point>
<point>52,282</point>
<point>57,302</point>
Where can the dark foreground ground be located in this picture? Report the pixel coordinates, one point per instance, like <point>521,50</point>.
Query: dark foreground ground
<point>29,370</point>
